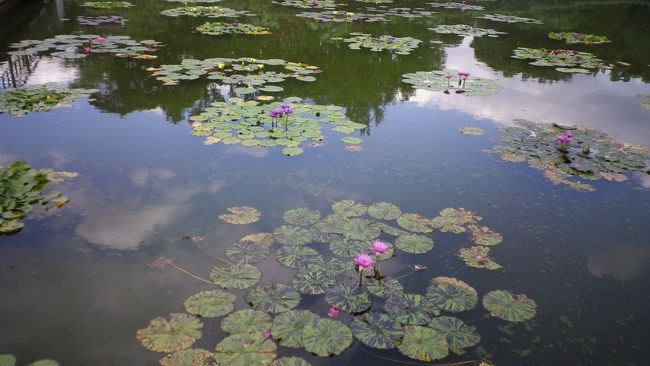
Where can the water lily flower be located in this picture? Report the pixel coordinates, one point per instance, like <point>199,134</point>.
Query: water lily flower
<point>276,113</point>
<point>88,50</point>
<point>286,109</point>
<point>267,334</point>
<point>560,138</point>
<point>100,39</point>
<point>391,39</point>
<point>464,74</point>
<point>333,311</point>
<point>364,261</point>
<point>379,247</point>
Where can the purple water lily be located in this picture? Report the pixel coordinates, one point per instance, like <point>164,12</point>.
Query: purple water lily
<point>391,39</point>
<point>276,113</point>
<point>286,109</point>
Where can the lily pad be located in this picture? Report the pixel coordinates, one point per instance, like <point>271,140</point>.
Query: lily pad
<point>175,334</point>
<point>376,330</point>
<point>266,239</point>
<point>458,334</point>
<point>220,28</point>
<point>509,19</point>
<point>312,281</point>
<point>241,215</point>
<point>295,256</point>
<point>348,297</point>
<point>424,344</point>
<point>384,211</point>
<point>292,235</point>
<point>386,288</point>
<point>478,257</point>
<point>473,131</point>
<point>292,151</point>
<point>514,308</point>
<point>21,101</point>
<point>247,251</point>
<point>245,350</point>
<point>276,298</point>
<point>205,11</point>
<point>453,220</point>
<point>578,38</point>
<point>403,12</point>
<point>410,309</point>
<point>349,208</point>
<point>342,16</point>
<point>239,275</point>
<point>451,294</point>
<point>326,337</point>
<point>308,4</point>
<point>209,304</point>
<point>466,30</point>
<point>451,80</point>
<point>107,4</point>
<point>461,6</point>
<point>361,230</point>
<point>484,235</point>
<point>347,248</point>
<point>7,360</point>
<point>101,20</point>
<point>290,361</point>
<point>558,58</point>
<point>301,216</point>
<point>414,243</point>
<point>414,222</point>
<point>288,327</point>
<point>246,321</point>
<point>398,45</point>
<point>332,224</point>
<point>188,357</point>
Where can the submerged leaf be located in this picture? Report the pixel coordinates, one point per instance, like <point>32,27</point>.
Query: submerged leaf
<point>175,334</point>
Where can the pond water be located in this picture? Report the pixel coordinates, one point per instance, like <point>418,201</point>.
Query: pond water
<point>75,282</point>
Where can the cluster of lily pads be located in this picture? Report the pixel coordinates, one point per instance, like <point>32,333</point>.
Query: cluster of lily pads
<point>461,6</point>
<point>107,4</point>
<point>509,19</point>
<point>309,4</point>
<point>21,187</point>
<point>588,154</point>
<point>451,80</point>
<point>255,124</point>
<point>10,360</point>
<point>342,16</point>
<point>376,1</point>
<point>101,20</point>
<point>400,12</point>
<point>578,38</point>
<point>72,46</point>
<point>321,250</point>
<point>20,101</point>
<point>220,28</point>
<point>205,11</point>
<point>398,45</point>
<point>563,60</point>
<point>466,30</point>
<point>247,74</point>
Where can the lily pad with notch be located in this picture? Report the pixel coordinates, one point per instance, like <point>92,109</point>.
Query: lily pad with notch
<point>276,298</point>
<point>410,309</point>
<point>507,306</point>
<point>209,304</point>
<point>326,337</point>
<point>245,349</point>
<point>288,327</point>
<point>424,344</point>
<point>348,297</point>
<point>175,334</point>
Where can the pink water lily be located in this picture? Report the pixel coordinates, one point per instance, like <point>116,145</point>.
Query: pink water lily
<point>333,311</point>
<point>88,50</point>
<point>464,74</point>
<point>379,247</point>
<point>363,261</point>
<point>100,39</point>
<point>267,334</point>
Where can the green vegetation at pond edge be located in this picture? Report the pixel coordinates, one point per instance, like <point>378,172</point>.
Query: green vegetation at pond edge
<point>21,187</point>
<point>461,6</point>
<point>509,19</point>
<point>466,30</point>
<point>10,360</point>
<point>72,46</point>
<point>588,154</point>
<point>398,45</point>
<point>578,38</point>
<point>205,11</point>
<point>451,80</point>
<point>253,124</point>
<point>219,29</point>
<point>562,59</point>
<point>21,101</point>
<point>274,314</point>
<point>107,4</point>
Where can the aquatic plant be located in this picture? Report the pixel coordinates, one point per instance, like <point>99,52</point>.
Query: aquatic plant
<point>591,154</point>
<point>101,20</point>
<point>505,305</point>
<point>241,215</point>
<point>578,38</point>
<point>509,19</point>
<point>205,11</point>
<point>175,334</point>
<point>451,80</point>
<point>107,4</point>
<point>403,12</point>
<point>398,45</point>
<point>21,101</point>
<point>376,1</point>
<point>473,131</point>
<point>10,360</point>
<point>563,59</point>
<point>465,30</point>
<point>195,1</point>
<point>21,187</point>
<point>461,6</point>
<point>308,4</point>
<point>219,29</point>
<point>342,16</point>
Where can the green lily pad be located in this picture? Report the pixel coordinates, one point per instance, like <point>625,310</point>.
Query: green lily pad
<point>466,30</point>
<point>295,256</point>
<point>308,4</point>
<point>403,12</point>
<point>312,281</point>
<point>410,309</point>
<point>301,216</point>
<point>484,235</point>
<point>349,208</point>
<point>558,58</point>
<point>7,360</point>
<point>391,230</point>
<point>424,344</point>
<point>414,243</point>
<point>292,151</point>
<point>398,45</point>
<point>44,363</point>
<point>326,337</point>
<point>239,275</point>
<point>209,304</point>
<point>245,350</point>
<point>578,38</point>
<point>107,4</point>
<point>188,357</point>
<point>247,251</point>
<point>451,80</point>
<point>288,327</point>
<point>220,28</point>
<point>461,6</point>
<point>453,220</point>
<point>290,361</point>
<point>361,229</point>
<point>241,215</point>
<point>21,101</point>
<point>458,334</point>
<point>342,16</point>
<point>246,321</point>
<point>472,131</point>
<point>376,330</point>
<point>509,19</point>
<point>350,140</point>
<point>175,334</point>
<point>414,222</point>
<point>451,294</point>
<point>332,224</point>
<point>205,11</point>
<point>514,308</point>
<point>478,257</point>
<point>386,288</point>
<point>276,298</point>
<point>347,248</point>
<point>384,211</point>
<point>101,20</point>
<point>348,297</point>
<point>292,235</point>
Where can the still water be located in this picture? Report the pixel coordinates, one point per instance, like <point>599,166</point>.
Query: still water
<point>75,285</point>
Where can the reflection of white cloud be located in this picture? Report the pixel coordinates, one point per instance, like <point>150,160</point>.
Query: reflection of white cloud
<point>623,262</point>
<point>643,178</point>
<point>52,71</point>
<point>141,176</point>
<point>59,158</point>
<point>6,158</point>
<point>256,152</point>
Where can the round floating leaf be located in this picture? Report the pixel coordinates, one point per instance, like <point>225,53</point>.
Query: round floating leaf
<point>451,294</point>
<point>331,268</point>
<point>363,230</point>
<point>44,363</point>
<point>452,220</point>
<point>509,19</point>
<point>265,239</point>
<point>7,360</point>
<point>313,281</point>
<point>245,350</point>
<point>465,30</point>
<point>246,251</point>
<point>504,305</point>
<point>450,80</point>
<point>384,211</point>
<point>376,330</point>
<point>326,337</point>
<point>301,216</point>
<point>473,131</point>
<point>246,321</point>
<point>292,235</point>
<point>188,357</point>
<point>391,230</point>
<point>241,215</point>
<point>276,298</point>
<point>423,344</point>
<point>414,243</point>
<point>332,224</point>
<point>410,309</point>
<point>175,334</point>
<point>348,297</point>
<point>349,208</point>
<point>290,361</point>
<point>295,256</point>
<point>414,222</point>
<point>478,257</point>
<point>386,288</point>
<point>288,327</point>
<point>484,235</point>
<point>239,275</point>
<point>210,304</point>
<point>292,151</point>
<point>346,248</point>
<point>458,334</point>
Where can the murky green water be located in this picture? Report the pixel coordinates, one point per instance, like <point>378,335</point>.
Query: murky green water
<point>75,286</point>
